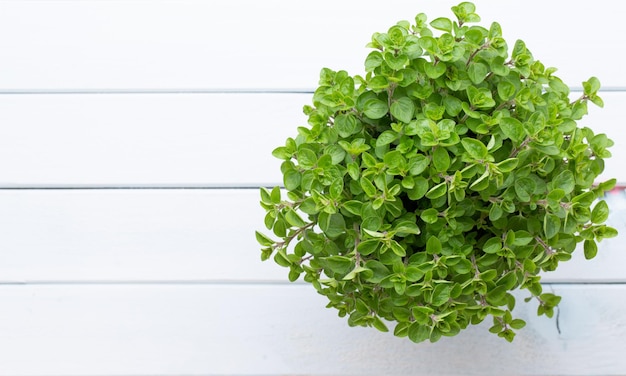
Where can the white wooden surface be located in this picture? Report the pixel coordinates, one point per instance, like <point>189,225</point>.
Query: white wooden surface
<point>283,330</point>
<point>126,242</point>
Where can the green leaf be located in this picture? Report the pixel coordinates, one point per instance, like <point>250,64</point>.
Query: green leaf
<point>441,159</point>
<point>507,165</point>
<point>368,187</point>
<point>524,188</point>
<point>333,225</point>
<point>506,90</point>
<point>386,138</point>
<point>477,72</point>
<point>263,239</point>
<point>430,215</point>
<point>551,225</point>
<point>292,179</point>
<point>441,294</point>
<point>281,258</point>
<point>433,245</point>
<point>600,212</point>
<point>590,248</point>
<point>434,71</point>
<point>275,195</point>
<point>397,248</point>
<point>565,181</point>
<point>591,86</point>
<point>403,109</point>
<point>453,105</point>
<point>338,264</point>
<point>396,62</point>
<point>368,247</point>
<point>379,324</point>
<point>492,245</point>
<point>442,23</point>
<point>512,128</point>
<point>373,60</point>
<point>517,324</point>
<point>307,157</point>
<point>347,125</point>
<point>418,164</point>
<point>294,219</point>
<point>418,333</point>
<point>476,149</point>
<point>375,109</point>
<point>437,191</point>
<point>405,228</point>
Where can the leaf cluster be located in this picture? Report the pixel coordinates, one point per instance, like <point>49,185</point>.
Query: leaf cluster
<point>450,174</point>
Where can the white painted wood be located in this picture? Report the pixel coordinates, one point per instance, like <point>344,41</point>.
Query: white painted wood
<point>176,139</point>
<point>195,44</point>
<point>284,330</point>
<point>179,235</point>
<point>163,140</point>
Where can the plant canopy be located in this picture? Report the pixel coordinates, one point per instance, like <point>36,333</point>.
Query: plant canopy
<point>450,174</point>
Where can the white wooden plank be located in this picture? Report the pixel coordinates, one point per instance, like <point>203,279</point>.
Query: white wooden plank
<point>169,139</point>
<point>271,330</point>
<point>194,44</point>
<point>176,139</point>
<point>180,235</point>
<point>132,235</point>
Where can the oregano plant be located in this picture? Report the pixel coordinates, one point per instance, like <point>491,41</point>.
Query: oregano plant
<point>453,172</point>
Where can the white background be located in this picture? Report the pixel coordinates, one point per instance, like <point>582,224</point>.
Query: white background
<point>133,138</point>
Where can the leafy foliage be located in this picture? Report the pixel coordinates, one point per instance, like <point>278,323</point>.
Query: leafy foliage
<point>449,175</point>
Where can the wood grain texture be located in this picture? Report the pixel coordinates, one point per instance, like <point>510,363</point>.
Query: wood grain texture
<point>248,44</point>
<point>106,96</point>
<point>284,330</point>
<point>180,235</point>
<point>177,139</point>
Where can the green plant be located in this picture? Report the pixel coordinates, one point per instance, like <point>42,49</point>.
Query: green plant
<point>446,177</point>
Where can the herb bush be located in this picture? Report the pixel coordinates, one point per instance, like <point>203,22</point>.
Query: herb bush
<point>446,177</point>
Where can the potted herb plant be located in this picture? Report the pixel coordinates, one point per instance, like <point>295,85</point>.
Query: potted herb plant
<point>450,174</point>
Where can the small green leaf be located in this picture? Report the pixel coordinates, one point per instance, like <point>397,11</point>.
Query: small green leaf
<point>437,191</point>
<point>275,195</point>
<point>368,247</point>
<point>506,90</point>
<point>442,23</point>
<point>492,245</point>
<point>441,159</point>
<point>477,72</point>
<point>263,239</point>
<point>339,264</point>
<point>375,109</point>
<point>373,60</point>
<point>433,245</point>
<point>379,324</point>
<point>294,219</point>
<point>590,248</point>
<point>600,212</point>
<point>551,225</point>
<point>507,165</point>
<point>512,128</point>
<point>476,149</point>
<point>368,187</point>
<point>386,138</point>
<point>292,179</point>
<point>565,181</point>
<point>434,71</point>
<point>418,164</point>
<point>403,109</point>
<point>430,215</point>
<point>333,225</point>
<point>418,333</point>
